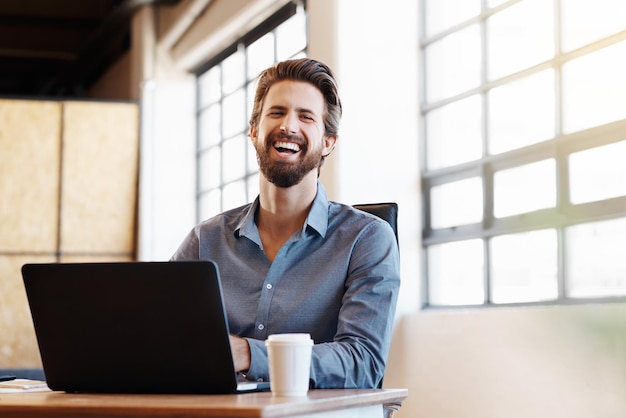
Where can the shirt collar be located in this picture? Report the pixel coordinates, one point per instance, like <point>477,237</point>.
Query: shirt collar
<point>317,218</point>
<point>246,226</point>
<point>318,215</point>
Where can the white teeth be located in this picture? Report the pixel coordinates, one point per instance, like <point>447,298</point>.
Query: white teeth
<point>287,145</point>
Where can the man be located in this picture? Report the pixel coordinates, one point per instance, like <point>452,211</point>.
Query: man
<point>292,261</point>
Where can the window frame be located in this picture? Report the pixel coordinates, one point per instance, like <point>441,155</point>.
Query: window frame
<point>564,214</point>
<point>270,25</point>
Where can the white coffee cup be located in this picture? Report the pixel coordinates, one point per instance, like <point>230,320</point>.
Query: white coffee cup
<point>289,357</point>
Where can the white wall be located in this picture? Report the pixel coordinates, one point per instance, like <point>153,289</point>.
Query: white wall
<point>567,361</point>
<point>376,156</point>
<point>167,183</point>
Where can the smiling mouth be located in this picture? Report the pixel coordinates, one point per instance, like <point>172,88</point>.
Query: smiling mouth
<point>282,146</point>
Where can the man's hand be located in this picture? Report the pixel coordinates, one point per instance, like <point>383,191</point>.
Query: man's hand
<point>241,353</point>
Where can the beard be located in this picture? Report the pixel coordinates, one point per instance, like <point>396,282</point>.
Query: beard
<point>286,174</point>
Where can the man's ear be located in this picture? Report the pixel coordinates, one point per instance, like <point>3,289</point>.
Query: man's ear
<point>329,145</point>
<point>253,133</point>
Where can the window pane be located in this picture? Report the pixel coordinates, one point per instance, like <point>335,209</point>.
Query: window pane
<point>585,21</point>
<point>260,55</point>
<point>453,64</point>
<point>598,173</point>
<point>443,14</point>
<point>233,74</point>
<point>250,92</point>
<point>525,189</point>
<point>253,165</point>
<point>595,259</point>
<point>210,126</point>
<point>210,166</point>
<point>234,158</point>
<point>594,88</point>
<point>455,272</point>
<point>253,187</point>
<point>519,37</point>
<point>522,113</point>
<point>454,133</point>
<point>291,37</point>
<point>457,203</point>
<point>234,195</point>
<point>210,204</point>
<point>234,116</point>
<point>524,267</point>
<point>210,86</point>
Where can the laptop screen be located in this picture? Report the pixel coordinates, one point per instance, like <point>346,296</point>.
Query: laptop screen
<point>133,327</point>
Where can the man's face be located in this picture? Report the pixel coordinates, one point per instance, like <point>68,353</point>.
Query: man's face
<point>290,139</point>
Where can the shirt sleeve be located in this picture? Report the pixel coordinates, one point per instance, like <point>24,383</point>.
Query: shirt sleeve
<point>189,249</point>
<point>357,356</point>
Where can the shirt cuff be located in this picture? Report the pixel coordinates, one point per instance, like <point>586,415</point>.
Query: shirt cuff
<point>259,369</point>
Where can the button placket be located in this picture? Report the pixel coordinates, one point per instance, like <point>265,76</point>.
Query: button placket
<point>276,271</point>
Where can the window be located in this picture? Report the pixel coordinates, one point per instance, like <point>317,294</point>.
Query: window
<point>226,159</point>
<point>523,111</point>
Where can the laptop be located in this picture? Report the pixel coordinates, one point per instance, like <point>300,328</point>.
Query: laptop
<point>133,327</point>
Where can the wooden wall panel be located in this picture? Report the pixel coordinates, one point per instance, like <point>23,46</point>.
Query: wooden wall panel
<point>30,133</point>
<point>18,344</point>
<point>99,179</point>
<point>76,157</point>
<point>94,258</point>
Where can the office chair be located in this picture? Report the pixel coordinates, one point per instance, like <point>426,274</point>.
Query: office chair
<point>386,211</point>
<point>389,213</point>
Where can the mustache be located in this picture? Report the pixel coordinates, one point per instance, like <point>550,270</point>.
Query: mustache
<point>282,136</point>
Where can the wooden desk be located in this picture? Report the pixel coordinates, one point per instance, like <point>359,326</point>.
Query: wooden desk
<point>336,403</point>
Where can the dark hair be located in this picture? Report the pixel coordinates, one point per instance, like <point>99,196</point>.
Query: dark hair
<point>307,70</point>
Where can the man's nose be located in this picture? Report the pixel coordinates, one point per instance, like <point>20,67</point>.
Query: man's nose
<point>289,124</point>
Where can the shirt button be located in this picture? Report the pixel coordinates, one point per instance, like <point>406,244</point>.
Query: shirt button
<point>268,286</point>
<point>261,327</point>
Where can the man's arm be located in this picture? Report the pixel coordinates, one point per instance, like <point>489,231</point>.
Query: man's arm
<point>240,352</point>
<point>356,357</point>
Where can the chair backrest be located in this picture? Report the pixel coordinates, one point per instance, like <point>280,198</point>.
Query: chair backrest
<point>386,211</point>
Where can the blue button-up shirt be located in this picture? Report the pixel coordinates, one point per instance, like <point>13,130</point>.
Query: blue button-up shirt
<point>337,279</point>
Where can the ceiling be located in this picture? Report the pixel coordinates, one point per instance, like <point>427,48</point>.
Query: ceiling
<point>58,48</point>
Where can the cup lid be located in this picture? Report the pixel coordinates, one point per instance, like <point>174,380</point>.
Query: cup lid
<point>290,337</point>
